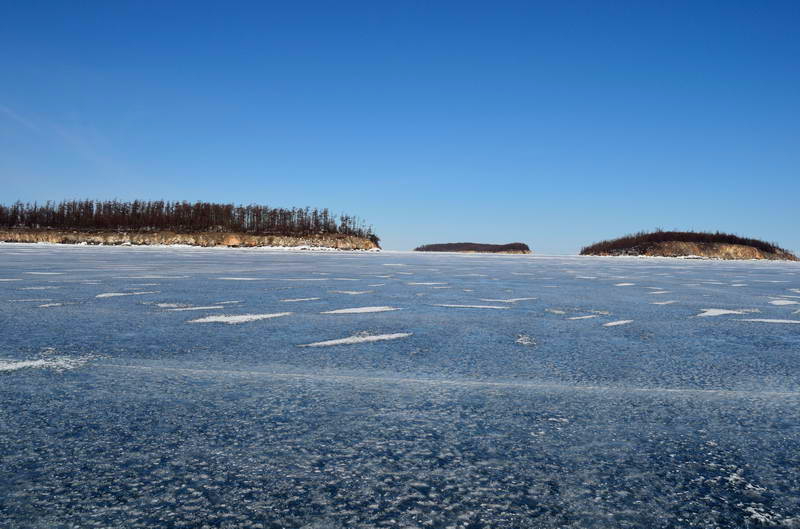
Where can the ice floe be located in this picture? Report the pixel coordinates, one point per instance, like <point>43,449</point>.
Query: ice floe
<point>784,302</point>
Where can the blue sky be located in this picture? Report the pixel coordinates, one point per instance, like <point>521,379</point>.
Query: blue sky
<point>552,123</point>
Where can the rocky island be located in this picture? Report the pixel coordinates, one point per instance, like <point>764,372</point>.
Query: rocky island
<point>689,244</point>
<point>472,247</point>
<point>196,224</point>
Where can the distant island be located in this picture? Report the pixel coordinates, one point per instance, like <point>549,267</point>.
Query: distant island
<point>472,247</point>
<point>690,244</point>
<point>197,224</point>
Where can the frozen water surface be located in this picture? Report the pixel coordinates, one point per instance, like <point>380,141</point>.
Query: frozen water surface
<point>115,411</point>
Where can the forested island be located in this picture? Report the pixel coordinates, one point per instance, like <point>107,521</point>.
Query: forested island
<point>716,245</point>
<point>198,224</point>
<point>472,247</point>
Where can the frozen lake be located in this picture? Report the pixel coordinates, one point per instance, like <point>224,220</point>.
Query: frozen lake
<point>188,387</point>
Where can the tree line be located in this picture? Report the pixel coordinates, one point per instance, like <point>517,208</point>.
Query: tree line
<point>473,247</point>
<point>143,216</point>
<point>644,240</point>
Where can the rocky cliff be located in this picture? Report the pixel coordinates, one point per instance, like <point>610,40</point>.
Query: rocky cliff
<point>204,239</point>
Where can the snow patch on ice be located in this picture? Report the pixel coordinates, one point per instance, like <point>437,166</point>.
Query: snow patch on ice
<point>360,310</point>
<point>718,312</point>
<point>624,284</point>
<point>31,300</point>
<point>238,318</point>
<point>469,306</point>
<point>117,294</point>
<point>615,323</point>
<point>583,317</point>
<point>784,302</point>
<point>670,302</point>
<point>524,339</point>
<point>209,307</point>
<point>510,300</point>
<point>57,363</point>
<point>294,300</point>
<point>764,320</point>
<point>361,337</point>
<point>352,292</point>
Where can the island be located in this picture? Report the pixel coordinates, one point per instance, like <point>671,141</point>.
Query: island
<point>689,244</point>
<point>182,223</point>
<point>473,247</point>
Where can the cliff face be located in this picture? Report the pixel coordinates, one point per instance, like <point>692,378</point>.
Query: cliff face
<point>710,250</point>
<point>204,239</point>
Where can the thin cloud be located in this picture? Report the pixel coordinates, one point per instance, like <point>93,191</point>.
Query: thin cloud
<point>19,120</point>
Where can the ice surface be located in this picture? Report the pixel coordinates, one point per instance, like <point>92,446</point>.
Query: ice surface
<point>116,413</point>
